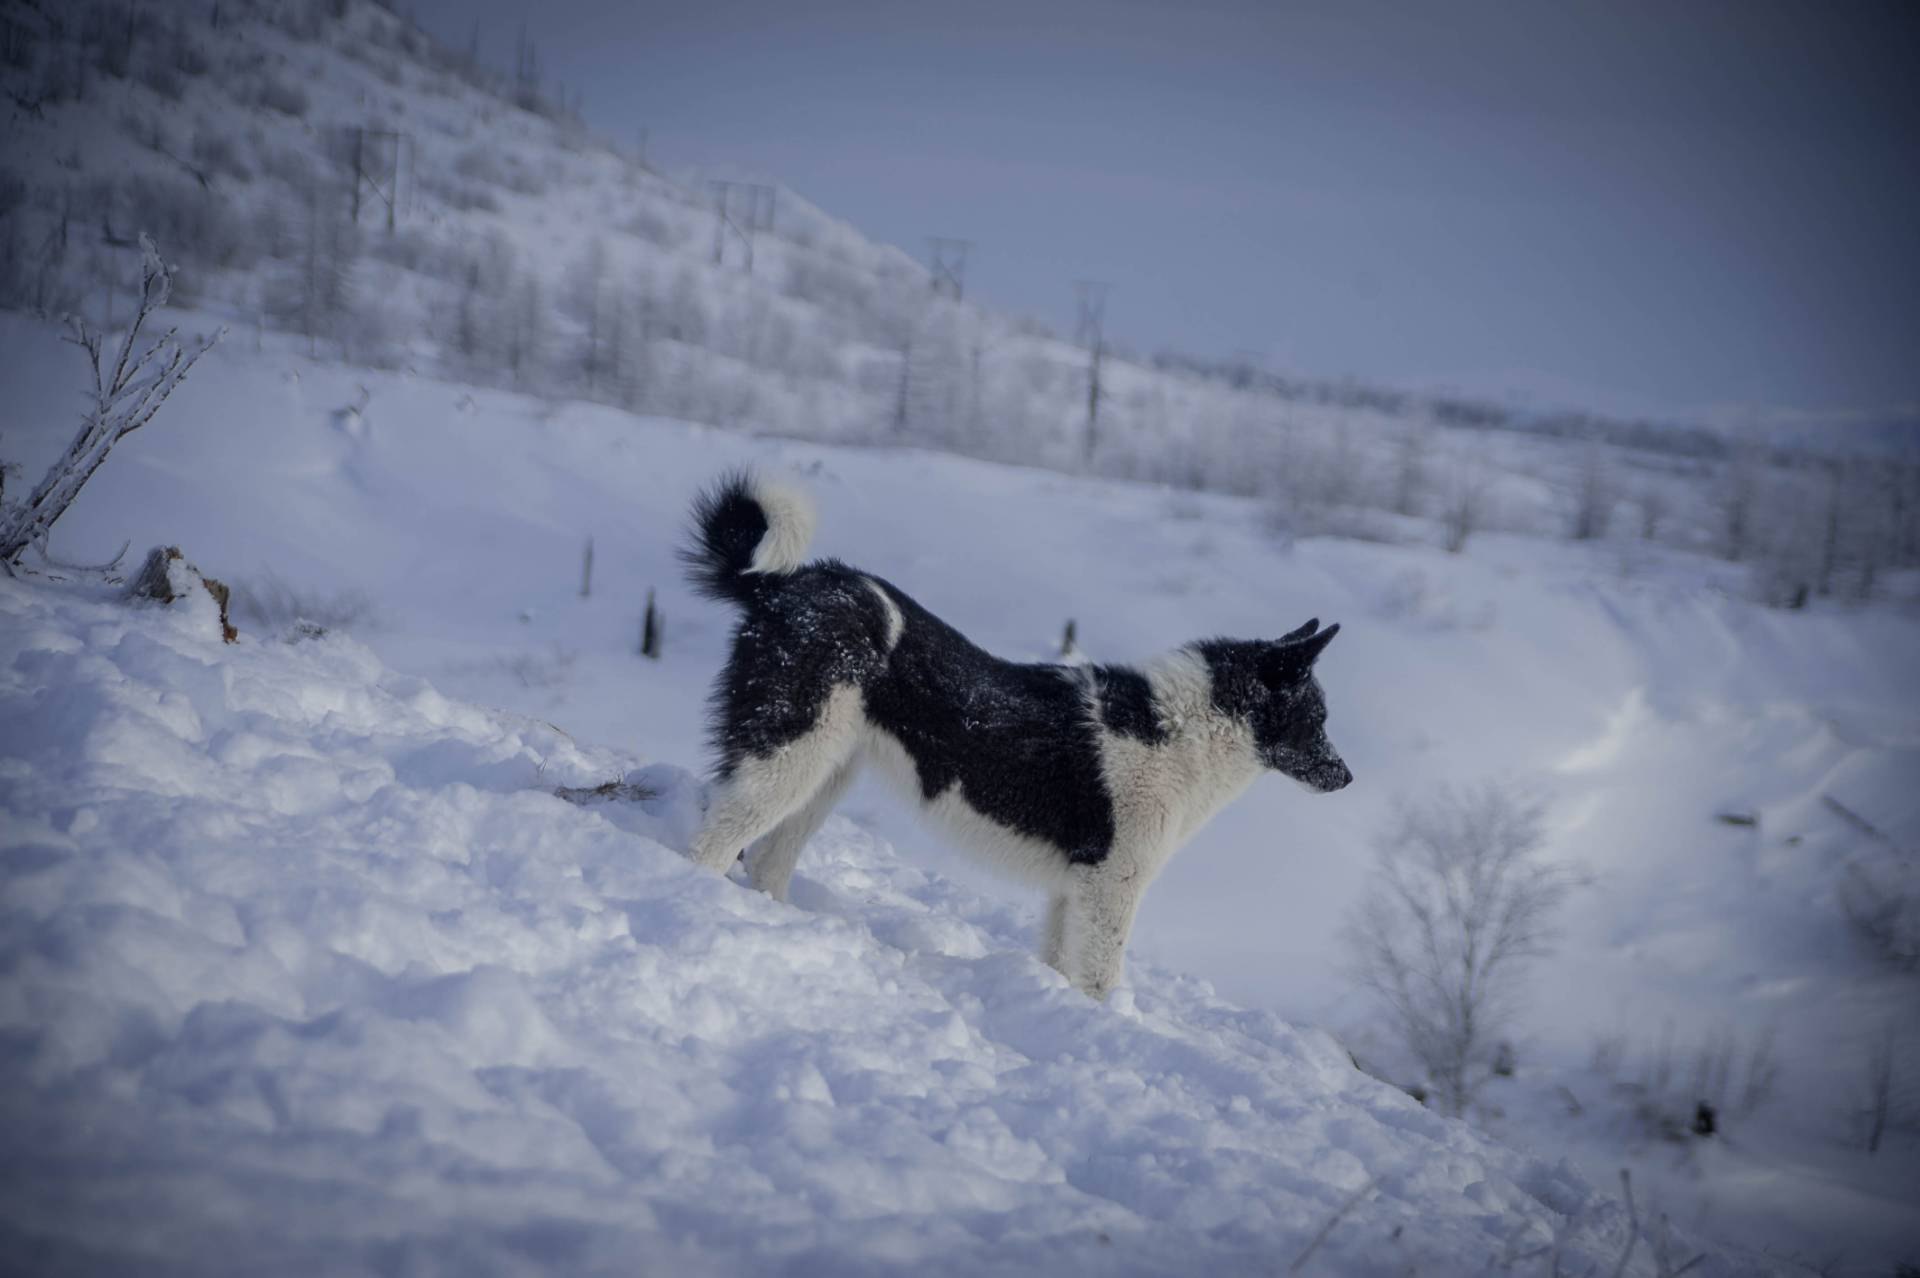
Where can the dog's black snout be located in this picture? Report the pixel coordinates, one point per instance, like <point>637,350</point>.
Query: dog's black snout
<point>1341,778</point>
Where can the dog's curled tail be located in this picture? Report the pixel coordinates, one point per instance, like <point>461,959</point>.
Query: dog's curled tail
<point>745,525</point>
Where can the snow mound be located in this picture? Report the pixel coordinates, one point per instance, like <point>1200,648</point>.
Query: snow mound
<point>307,968</point>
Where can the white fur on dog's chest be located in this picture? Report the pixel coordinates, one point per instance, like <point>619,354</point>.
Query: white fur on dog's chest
<point>1164,792</point>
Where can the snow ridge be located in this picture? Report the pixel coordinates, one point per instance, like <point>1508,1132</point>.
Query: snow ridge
<point>306,964</point>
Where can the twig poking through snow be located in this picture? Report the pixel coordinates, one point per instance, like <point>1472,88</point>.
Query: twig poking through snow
<point>1633,1222</point>
<point>1359,1195</point>
<point>605,792</point>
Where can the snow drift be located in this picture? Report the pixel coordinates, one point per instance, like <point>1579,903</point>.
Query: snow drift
<point>307,968</point>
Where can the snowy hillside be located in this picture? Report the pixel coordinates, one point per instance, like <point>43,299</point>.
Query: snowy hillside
<point>444,528</point>
<point>307,970</point>
<point>322,167</point>
<point>298,948</point>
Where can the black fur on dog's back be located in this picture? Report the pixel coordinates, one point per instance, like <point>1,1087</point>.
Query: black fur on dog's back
<point>1025,746</point>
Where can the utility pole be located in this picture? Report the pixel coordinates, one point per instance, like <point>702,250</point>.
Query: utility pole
<point>1091,332</point>
<point>949,275</point>
<point>376,168</point>
<point>752,211</point>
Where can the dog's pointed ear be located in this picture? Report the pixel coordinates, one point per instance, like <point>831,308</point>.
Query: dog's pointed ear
<point>1290,660</point>
<point>1313,624</point>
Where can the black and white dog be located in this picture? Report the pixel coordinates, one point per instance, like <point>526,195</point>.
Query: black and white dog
<point>1082,779</point>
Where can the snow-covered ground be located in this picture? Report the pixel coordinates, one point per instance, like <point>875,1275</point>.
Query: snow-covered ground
<point>307,970</point>
<point>298,947</point>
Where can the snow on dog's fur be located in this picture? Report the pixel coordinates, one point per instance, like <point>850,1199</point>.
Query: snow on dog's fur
<point>1081,779</point>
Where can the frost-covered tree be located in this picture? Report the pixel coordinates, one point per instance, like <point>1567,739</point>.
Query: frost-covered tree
<point>683,315</point>
<point>1594,493</point>
<point>1462,898</point>
<point>314,295</point>
<point>525,340</point>
<point>129,386</point>
<point>590,299</point>
<point>1467,485</point>
<point>1654,504</point>
<point>1410,467</point>
<point>1737,491</point>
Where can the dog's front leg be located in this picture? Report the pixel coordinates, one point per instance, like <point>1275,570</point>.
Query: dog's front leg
<point>1103,906</point>
<point>1053,937</point>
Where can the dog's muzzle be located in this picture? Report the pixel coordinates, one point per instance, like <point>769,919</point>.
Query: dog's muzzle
<point>1337,777</point>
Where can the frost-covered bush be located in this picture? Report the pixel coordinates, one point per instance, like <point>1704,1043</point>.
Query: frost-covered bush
<point>162,79</point>
<point>655,227</point>
<point>198,225</point>
<point>495,167</point>
<point>1461,901</point>
<point>215,152</point>
<point>1880,895</point>
<point>273,606</point>
<point>551,670</point>
<point>277,94</point>
<point>1673,1096</point>
<point>1592,492</point>
<point>461,197</point>
<point>291,165</point>
<point>315,294</point>
<point>186,55</point>
<point>480,164</point>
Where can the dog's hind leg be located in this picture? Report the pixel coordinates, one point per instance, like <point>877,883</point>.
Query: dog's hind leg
<point>1053,937</point>
<point>764,790</point>
<point>772,860</point>
<point>1102,909</point>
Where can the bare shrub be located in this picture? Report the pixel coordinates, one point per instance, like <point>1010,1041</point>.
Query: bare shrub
<point>1466,486</point>
<point>1725,1077</point>
<point>284,96</point>
<point>1461,899</point>
<point>215,152</point>
<point>315,294</point>
<point>1593,494</point>
<point>549,671</point>
<point>1878,1091</point>
<point>655,227</point>
<point>1655,504</point>
<point>188,58</point>
<point>287,164</point>
<point>1736,491</point>
<point>461,197</point>
<point>128,389</point>
<point>204,230</point>
<point>497,168</point>
<point>1411,464</point>
<point>163,80</point>
<point>272,605</point>
<point>1880,891</point>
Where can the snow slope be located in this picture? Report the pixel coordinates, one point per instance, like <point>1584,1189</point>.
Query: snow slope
<point>306,970</point>
<point>1625,684</point>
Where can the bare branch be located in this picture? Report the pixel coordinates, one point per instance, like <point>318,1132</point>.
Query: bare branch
<point>123,401</point>
<point>1340,1213</point>
<point>1460,899</point>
